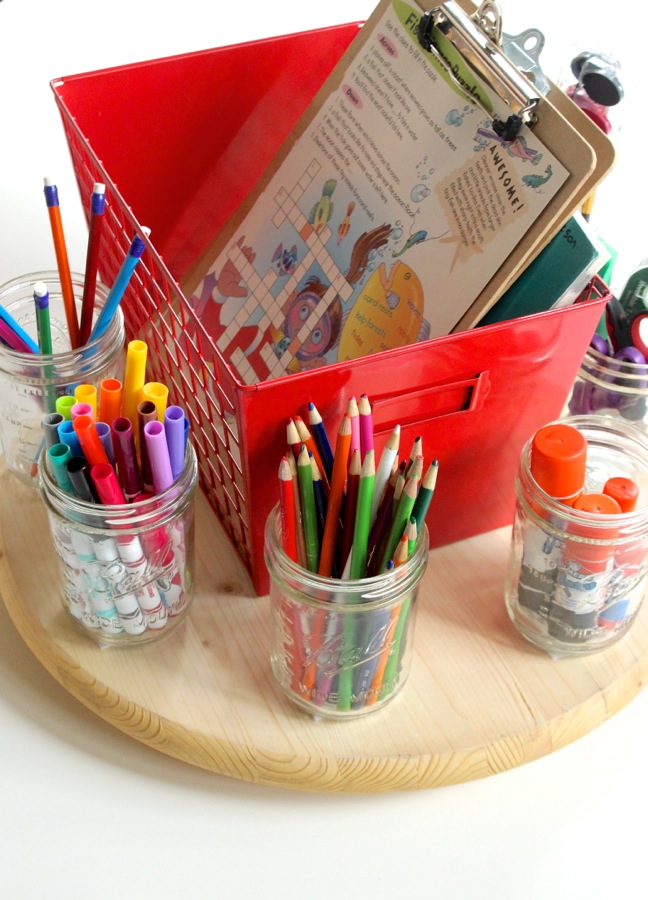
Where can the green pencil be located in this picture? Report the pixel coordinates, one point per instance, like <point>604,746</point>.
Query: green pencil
<point>357,570</point>
<point>425,494</point>
<point>41,301</point>
<point>309,516</point>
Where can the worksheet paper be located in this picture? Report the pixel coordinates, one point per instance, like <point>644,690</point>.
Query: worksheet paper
<point>384,221</point>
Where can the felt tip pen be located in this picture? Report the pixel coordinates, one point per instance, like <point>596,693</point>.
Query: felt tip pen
<point>174,429</point>
<point>120,284</point>
<point>158,454</point>
<point>126,457</point>
<point>91,444</point>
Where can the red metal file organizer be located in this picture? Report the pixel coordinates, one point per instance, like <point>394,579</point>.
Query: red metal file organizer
<point>179,142</point>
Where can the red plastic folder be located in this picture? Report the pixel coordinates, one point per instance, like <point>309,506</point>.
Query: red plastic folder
<point>474,397</point>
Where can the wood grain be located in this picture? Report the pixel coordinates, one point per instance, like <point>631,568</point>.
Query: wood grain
<point>480,699</point>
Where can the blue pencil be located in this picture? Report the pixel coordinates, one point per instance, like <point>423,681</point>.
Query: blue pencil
<point>20,333</point>
<point>117,290</point>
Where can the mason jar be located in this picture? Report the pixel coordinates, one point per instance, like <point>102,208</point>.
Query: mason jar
<point>341,648</point>
<point>126,570</point>
<point>31,383</point>
<point>577,572</point>
<point>612,386</point>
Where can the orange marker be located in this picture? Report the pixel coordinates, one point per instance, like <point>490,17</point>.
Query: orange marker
<point>624,490</point>
<point>110,394</point>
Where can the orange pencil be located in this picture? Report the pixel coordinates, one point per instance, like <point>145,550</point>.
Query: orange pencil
<point>307,438</point>
<point>56,225</point>
<point>336,495</point>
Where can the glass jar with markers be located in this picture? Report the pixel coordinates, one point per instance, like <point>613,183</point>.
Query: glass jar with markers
<point>613,378</point>
<point>118,481</point>
<point>579,555</point>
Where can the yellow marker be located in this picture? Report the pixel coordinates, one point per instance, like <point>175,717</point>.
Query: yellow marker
<point>87,393</point>
<point>134,379</point>
<point>158,394</point>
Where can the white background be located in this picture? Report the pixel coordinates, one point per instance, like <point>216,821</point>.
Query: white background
<point>86,812</point>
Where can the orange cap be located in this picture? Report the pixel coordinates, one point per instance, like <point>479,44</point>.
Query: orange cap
<point>624,490</point>
<point>558,457</point>
<point>597,503</point>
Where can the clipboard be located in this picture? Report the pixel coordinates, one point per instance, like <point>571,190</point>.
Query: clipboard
<point>567,133</point>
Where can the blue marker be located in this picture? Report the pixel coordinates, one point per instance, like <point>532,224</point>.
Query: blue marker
<point>117,290</point>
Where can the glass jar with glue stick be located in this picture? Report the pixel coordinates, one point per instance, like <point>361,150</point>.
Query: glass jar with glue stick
<point>579,553</point>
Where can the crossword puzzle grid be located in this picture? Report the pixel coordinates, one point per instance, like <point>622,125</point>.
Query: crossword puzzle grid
<point>261,296</point>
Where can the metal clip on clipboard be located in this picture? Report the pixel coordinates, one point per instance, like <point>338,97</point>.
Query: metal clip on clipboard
<point>478,39</point>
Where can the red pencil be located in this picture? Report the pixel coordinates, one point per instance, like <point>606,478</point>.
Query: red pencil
<point>287,507</point>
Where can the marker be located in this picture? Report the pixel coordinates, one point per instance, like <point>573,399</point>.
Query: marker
<point>158,394</point>
<point>174,430</point>
<point>90,442</point>
<point>158,453</point>
<point>56,225</point>
<point>58,456</point>
<point>78,471</point>
<point>134,378</point>
<point>110,394</point>
<point>97,208</point>
<point>126,457</point>
<point>87,393</point>
<point>119,286</point>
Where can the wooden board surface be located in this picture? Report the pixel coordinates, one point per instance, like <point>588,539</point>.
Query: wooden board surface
<point>480,699</point>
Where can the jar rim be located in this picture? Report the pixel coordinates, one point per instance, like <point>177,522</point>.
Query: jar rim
<point>131,515</point>
<point>91,349</point>
<point>375,591</point>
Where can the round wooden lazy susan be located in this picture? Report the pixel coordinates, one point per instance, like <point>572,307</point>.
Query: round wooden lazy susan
<point>480,700</point>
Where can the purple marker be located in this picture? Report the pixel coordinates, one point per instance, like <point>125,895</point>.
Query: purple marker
<point>123,442</point>
<point>175,433</point>
<point>103,430</point>
<point>158,452</point>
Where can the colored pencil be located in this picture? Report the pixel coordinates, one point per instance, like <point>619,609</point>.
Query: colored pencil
<point>385,468</point>
<point>354,415</point>
<point>363,516</point>
<point>350,503</point>
<point>292,438</point>
<point>97,207</point>
<point>321,439</point>
<point>287,510</point>
<point>63,265</point>
<point>43,327</point>
<point>320,501</point>
<point>301,544</point>
<point>401,517</point>
<point>118,289</point>
<point>15,337</point>
<point>307,438</point>
<point>307,499</point>
<point>336,494</point>
<point>366,426</point>
<point>425,494</point>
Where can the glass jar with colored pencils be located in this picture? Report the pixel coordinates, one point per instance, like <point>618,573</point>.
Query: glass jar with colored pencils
<point>40,363</point>
<point>346,549</point>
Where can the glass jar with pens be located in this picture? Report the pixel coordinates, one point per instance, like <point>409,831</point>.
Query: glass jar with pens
<point>126,565</point>
<point>33,378</point>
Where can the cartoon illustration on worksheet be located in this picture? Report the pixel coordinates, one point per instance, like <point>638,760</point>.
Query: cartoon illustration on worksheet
<point>325,292</point>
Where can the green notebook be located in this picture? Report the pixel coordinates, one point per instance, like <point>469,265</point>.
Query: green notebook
<point>556,277</point>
